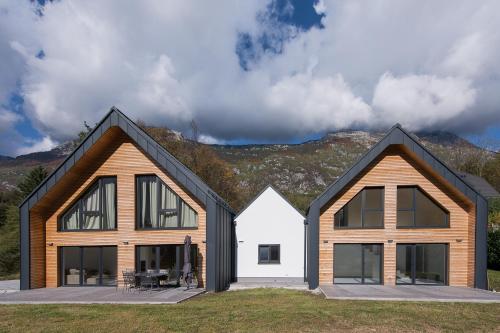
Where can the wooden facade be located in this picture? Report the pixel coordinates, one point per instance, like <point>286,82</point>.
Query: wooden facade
<point>114,154</point>
<point>394,167</point>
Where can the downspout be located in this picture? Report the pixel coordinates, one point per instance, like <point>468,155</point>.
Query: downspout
<point>305,250</point>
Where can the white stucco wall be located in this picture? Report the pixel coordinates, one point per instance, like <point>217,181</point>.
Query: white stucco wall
<point>270,219</point>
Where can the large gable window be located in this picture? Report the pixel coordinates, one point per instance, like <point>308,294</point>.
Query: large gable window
<point>158,207</point>
<point>417,210</point>
<point>94,210</point>
<point>365,210</point>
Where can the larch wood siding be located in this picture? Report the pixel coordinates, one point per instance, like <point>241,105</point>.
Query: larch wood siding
<point>113,155</point>
<point>393,168</point>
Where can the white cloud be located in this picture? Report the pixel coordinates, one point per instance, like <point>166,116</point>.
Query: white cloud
<point>32,146</point>
<point>168,62</point>
<point>421,101</point>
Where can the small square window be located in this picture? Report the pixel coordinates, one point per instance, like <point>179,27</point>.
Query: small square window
<point>269,254</point>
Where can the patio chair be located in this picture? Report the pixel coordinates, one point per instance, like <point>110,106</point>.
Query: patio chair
<point>129,281</point>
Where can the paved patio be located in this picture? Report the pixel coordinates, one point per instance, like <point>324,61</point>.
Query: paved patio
<point>252,283</point>
<point>409,293</point>
<point>97,295</point>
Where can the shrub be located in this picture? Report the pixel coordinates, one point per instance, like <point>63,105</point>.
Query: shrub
<point>494,249</point>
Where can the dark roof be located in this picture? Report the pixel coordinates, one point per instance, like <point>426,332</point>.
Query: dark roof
<point>397,136</point>
<point>259,194</point>
<point>115,117</point>
<point>480,184</point>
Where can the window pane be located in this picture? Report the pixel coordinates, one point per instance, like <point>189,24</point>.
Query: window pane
<point>373,219</point>
<point>189,218</point>
<point>147,202</point>
<point>429,214</point>
<point>109,203</point>
<point>147,258</point>
<point>339,219</point>
<point>405,198</point>
<point>168,200</point>
<point>275,253</point>
<point>71,259</point>
<point>374,198</point>
<point>263,253</point>
<point>91,265</point>
<point>372,263</point>
<point>354,212</point>
<point>405,218</point>
<point>347,263</point>
<point>91,209</point>
<point>403,264</point>
<point>109,265</point>
<point>70,219</point>
<point>430,264</point>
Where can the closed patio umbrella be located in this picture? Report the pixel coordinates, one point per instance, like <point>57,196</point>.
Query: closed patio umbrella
<point>188,275</point>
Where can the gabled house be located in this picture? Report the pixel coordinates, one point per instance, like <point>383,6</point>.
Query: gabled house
<point>398,216</point>
<point>270,234</point>
<point>121,202</point>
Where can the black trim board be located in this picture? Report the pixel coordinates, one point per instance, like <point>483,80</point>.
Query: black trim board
<point>398,136</point>
<point>179,172</point>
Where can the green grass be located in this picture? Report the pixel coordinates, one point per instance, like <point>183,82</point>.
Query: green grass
<point>13,276</point>
<point>494,280</point>
<point>259,310</point>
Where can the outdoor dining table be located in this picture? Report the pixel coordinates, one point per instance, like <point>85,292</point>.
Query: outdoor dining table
<point>158,276</point>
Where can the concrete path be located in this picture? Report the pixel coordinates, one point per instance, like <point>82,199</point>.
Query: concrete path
<point>252,283</point>
<point>8,286</point>
<point>409,293</point>
<point>98,295</point>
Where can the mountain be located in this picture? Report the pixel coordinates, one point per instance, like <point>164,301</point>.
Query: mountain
<point>300,171</point>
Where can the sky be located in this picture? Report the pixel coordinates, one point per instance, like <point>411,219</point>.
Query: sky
<point>248,71</point>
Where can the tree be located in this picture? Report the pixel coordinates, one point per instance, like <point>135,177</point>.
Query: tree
<point>494,249</point>
<point>31,180</point>
<point>9,242</point>
<point>82,134</point>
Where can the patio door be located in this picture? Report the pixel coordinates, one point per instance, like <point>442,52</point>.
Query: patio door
<point>164,257</point>
<point>357,263</point>
<point>88,265</point>
<point>423,264</point>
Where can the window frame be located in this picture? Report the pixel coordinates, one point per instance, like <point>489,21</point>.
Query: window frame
<point>269,261</point>
<point>414,264</point>
<point>160,211</point>
<point>414,209</point>
<point>62,260</point>
<point>78,204</point>
<point>362,247</point>
<point>343,210</point>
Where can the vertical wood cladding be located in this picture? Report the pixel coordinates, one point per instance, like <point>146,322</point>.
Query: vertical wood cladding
<point>393,168</point>
<point>113,155</point>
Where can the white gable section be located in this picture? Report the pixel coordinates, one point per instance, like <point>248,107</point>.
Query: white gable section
<point>270,219</point>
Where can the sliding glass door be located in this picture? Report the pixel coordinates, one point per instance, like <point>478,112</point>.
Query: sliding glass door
<point>425,264</point>
<point>357,263</point>
<point>88,265</point>
<point>164,257</point>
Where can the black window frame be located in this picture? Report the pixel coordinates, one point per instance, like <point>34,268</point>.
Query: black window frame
<point>414,209</point>
<point>78,203</point>
<point>381,277</point>
<point>81,252</point>
<point>157,253</point>
<point>414,264</point>
<point>343,210</point>
<point>269,261</point>
<point>178,210</point>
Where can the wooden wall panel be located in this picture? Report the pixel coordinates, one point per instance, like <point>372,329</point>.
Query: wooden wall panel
<point>394,167</point>
<point>115,155</point>
<point>37,250</point>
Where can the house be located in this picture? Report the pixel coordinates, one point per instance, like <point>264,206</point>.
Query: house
<point>398,216</point>
<point>270,236</point>
<point>121,202</point>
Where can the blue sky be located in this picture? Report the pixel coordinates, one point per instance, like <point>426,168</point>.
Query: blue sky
<point>254,72</point>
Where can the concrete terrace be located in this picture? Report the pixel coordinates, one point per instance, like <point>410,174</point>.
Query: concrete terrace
<point>409,293</point>
<point>97,295</point>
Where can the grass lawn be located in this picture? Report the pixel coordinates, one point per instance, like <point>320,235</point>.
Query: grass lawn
<point>494,279</point>
<point>262,310</point>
